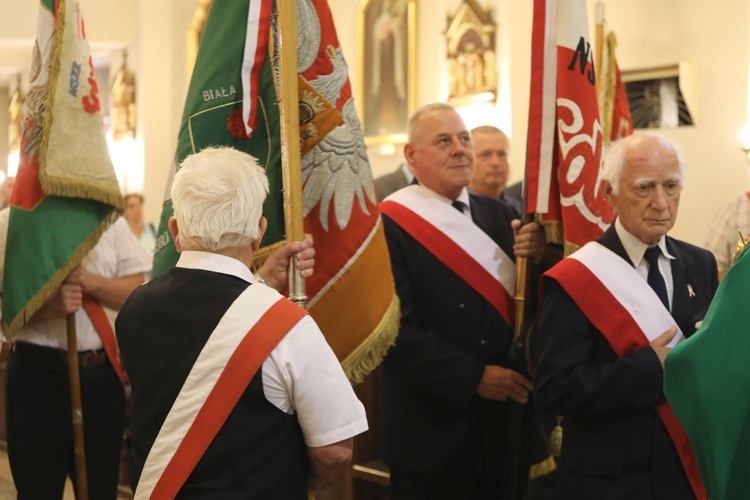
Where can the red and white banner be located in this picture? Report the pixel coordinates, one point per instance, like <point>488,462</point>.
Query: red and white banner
<point>565,133</point>
<point>256,47</point>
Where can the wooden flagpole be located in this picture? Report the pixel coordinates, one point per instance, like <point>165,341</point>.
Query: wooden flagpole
<point>76,408</point>
<point>291,162</point>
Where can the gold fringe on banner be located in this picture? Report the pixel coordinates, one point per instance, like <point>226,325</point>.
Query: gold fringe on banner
<point>370,353</point>
<point>69,188</point>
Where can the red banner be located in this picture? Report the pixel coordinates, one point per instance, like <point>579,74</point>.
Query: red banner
<point>568,179</point>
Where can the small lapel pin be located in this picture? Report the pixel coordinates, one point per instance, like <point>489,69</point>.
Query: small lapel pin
<point>691,293</point>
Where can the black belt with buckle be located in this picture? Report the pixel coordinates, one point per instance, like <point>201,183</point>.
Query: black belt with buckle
<point>49,358</point>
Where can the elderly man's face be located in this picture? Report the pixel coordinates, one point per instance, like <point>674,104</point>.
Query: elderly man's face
<point>649,196</point>
<point>441,156</point>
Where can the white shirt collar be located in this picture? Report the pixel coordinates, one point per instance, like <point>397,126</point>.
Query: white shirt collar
<point>463,197</point>
<point>634,247</point>
<point>407,173</point>
<point>214,262</point>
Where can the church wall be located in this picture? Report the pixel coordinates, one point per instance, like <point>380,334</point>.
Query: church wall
<point>711,37</point>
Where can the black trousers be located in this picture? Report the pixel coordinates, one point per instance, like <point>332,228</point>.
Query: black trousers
<point>40,428</point>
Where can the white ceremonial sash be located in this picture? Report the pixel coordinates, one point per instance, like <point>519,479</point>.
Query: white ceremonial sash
<point>629,289</point>
<point>247,311</point>
<point>442,216</point>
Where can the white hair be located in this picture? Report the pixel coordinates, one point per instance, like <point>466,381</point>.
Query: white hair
<point>615,153</point>
<point>218,197</point>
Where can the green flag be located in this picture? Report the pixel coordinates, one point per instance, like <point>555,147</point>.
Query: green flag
<point>232,101</point>
<point>705,379</point>
<point>213,117</point>
<point>66,192</point>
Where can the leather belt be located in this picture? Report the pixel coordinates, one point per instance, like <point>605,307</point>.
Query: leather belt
<point>49,358</point>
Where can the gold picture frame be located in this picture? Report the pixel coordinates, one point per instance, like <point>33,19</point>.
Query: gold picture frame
<point>387,68</point>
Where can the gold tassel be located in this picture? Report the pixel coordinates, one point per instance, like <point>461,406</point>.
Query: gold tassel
<point>555,439</point>
<point>570,248</point>
<point>553,231</point>
<point>543,468</point>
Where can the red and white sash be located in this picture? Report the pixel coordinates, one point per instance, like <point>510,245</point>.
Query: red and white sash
<point>245,336</point>
<point>621,305</point>
<point>103,328</point>
<point>456,242</point>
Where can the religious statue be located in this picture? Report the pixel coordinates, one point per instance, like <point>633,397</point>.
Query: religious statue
<point>17,101</point>
<point>123,97</point>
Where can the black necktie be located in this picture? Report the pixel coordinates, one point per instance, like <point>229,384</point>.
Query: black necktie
<point>655,279</point>
<point>458,205</point>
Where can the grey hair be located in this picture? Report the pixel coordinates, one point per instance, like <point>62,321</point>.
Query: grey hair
<point>614,159</point>
<point>412,128</point>
<point>218,197</point>
<point>486,129</point>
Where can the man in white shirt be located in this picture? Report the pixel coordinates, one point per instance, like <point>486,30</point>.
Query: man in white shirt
<point>39,422</point>
<point>221,363</point>
<point>40,432</point>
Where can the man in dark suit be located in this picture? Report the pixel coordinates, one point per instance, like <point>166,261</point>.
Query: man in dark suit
<point>444,383</point>
<point>491,166</point>
<point>236,393</point>
<point>515,192</point>
<point>392,182</point>
<point>609,317</point>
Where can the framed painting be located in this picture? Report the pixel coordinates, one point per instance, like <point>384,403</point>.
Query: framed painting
<point>387,68</point>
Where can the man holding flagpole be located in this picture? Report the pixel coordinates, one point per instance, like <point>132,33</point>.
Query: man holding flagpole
<point>236,393</point>
<point>40,435</point>
<point>610,314</point>
<point>453,260</point>
<point>65,253</point>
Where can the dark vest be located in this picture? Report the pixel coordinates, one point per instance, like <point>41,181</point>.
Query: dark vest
<point>259,451</point>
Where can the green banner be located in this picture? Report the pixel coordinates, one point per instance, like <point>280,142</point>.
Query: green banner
<point>705,379</point>
<point>213,117</point>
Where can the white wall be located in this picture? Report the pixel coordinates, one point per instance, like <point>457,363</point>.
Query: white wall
<point>713,38</point>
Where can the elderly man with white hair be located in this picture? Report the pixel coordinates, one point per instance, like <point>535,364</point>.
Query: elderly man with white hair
<point>610,314</point>
<point>236,393</point>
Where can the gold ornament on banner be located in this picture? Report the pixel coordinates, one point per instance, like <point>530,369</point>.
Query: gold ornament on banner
<point>741,244</point>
